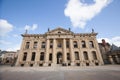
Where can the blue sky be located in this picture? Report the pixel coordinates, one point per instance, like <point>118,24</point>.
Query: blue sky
<point>39,15</point>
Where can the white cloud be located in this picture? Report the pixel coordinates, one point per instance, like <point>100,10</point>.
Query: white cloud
<point>114,40</point>
<point>5,27</point>
<point>79,13</point>
<point>15,35</point>
<point>3,42</point>
<point>33,27</point>
<point>14,48</point>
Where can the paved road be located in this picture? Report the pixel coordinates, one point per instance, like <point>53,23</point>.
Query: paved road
<point>110,72</point>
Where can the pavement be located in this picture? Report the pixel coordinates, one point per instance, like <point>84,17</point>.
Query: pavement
<point>106,72</point>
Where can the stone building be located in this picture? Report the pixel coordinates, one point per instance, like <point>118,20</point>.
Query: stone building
<point>110,53</point>
<point>59,47</point>
<point>8,57</point>
<point>104,49</point>
<point>114,54</point>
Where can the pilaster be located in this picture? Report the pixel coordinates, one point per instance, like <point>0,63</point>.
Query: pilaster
<point>54,53</point>
<point>72,53</point>
<point>47,53</point>
<point>64,51</point>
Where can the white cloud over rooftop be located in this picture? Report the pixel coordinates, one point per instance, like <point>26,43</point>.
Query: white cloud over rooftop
<point>79,12</point>
<point>5,27</point>
<point>115,40</point>
<point>33,27</point>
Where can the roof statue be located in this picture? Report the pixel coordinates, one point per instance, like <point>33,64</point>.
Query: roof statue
<point>26,31</point>
<point>92,30</point>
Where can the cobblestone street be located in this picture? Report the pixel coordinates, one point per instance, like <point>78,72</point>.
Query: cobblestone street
<point>108,72</point>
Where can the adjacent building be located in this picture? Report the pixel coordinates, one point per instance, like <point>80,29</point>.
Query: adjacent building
<point>105,47</point>
<point>114,54</point>
<point>7,57</point>
<point>110,53</point>
<point>59,47</point>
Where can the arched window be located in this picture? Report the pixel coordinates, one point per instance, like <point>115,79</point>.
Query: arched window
<point>68,56</point>
<point>76,56</point>
<point>25,56</point>
<point>91,44</point>
<point>42,56</point>
<point>27,45</point>
<point>83,44</point>
<point>59,32</point>
<point>33,56</point>
<point>67,44</point>
<point>94,55</point>
<point>59,45</point>
<point>43,45</point>
<point>85,55</point>
<point>75,44</point>
<point>35,45</point>
<point>50,56</point>
<point>51,44</point>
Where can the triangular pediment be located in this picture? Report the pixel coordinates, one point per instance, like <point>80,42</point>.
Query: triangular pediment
<point>59,30</point>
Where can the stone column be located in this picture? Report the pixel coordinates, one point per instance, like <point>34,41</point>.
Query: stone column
<point>72,53</point>
<point>89,53</point>
<point>111,60</point>
<point>29,54</point>
<point>20,55</point>
<point>47,53</point>
<point>99,55</point>
<point>81,54</point>
<point>117,59</point>
<point>64,52</point>
<point>54,53</point>
<point>37,58</point>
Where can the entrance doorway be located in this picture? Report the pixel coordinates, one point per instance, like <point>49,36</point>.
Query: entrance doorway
<point>59,58</point>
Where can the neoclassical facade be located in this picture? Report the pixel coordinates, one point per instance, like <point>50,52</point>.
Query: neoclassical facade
<point>59,47</point>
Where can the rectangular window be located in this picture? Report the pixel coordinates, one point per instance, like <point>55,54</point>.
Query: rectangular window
<point>68,56</point>
<point>67,44</point>
<point>35,45</point>
<point>42,56</point>
<point>24,56</point>
<point>50,56</point>
<point>27,45</point>
<point>83,44</point>
<point>33,56</point>
<point>76,56</point>
<point>43,45</point>
<point>59,45</point>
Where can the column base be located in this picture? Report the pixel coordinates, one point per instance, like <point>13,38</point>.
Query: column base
<point>92,64</point>
<point>45,64</point>
<point>53,64</point>
<point>27,65</point>
<point>72,64</point>
<point>36,65</point>
<point>17,64</point>
<point>82,64</point>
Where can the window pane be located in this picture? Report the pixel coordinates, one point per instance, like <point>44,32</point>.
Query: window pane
<point>33,56</point>
<point>27,45</point>
<point>94,55</point>
<point>25,56</point>
<point>91,44</point>
<point>35,45</point>
<point>85,55</point>
<point>83,44</point>
<point>76,55</point>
